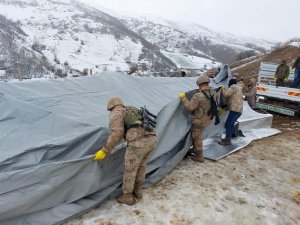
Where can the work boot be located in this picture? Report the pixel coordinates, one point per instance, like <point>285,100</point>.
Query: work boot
<point>198,157</point>
<point>137,191</point>
<point>226,141</point>
<point>126,199</point>
<point>190,152</point>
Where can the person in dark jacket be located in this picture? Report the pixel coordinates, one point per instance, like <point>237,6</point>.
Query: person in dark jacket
<point>296,66</point>
<point>282,74</point>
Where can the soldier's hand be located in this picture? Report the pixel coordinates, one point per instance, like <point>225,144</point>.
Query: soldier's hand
<point>275,78</point>
<point>286,79</point>
<point>221,112</point>
<point>181,95</point>
<point>100,155</point>
<point>222,87</point>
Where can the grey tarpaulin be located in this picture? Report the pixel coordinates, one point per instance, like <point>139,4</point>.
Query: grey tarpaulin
<point>50,129</point>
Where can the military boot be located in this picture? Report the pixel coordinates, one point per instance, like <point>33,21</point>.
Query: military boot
<point>226,141</point>
<point>126,199</point>
<point>198,157</point>
<point>190,152</point>
<point>137,191</point>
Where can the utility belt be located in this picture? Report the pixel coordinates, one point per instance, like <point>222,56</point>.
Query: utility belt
<point>129,126</point>
<point>145,125</point>
<point>139,136</point>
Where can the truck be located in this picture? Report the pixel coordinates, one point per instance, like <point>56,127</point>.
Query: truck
<point>282,100</point>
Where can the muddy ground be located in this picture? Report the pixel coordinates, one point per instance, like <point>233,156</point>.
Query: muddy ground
<point>257,185</point>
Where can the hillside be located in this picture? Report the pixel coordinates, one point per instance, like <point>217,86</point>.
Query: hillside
<point>68,38</point>
<point>193,39</point>
<point>250,67</point>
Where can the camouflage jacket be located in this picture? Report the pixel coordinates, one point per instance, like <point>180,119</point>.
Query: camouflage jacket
<point>199,106</point>
<point>117,132</point>
<point>282,71</point>
<point>250,94</point>
<point>234,98</point>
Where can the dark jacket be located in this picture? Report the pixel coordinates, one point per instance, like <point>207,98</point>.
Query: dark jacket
<point>297,63</point>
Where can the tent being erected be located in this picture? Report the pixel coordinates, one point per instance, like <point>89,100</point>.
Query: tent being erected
<point>50,129</point>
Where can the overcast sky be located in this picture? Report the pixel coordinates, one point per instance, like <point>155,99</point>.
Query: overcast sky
<point>277,20</point>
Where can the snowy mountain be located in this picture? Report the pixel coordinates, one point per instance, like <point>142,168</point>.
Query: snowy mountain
<point>68,38</point>
<point>193,39</point>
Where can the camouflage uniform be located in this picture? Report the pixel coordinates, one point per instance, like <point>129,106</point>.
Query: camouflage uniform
<point>140,144</point>
<point>199,106</point>
<point>250,92</point>
<point>136,158</point>
<point>282,73</point>
<point>234,97</point>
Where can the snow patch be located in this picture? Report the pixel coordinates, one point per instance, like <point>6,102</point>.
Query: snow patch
<point>296,44</point>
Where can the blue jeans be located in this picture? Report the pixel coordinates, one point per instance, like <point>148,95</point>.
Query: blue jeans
<point>229,125</point>
<point>296,79</point>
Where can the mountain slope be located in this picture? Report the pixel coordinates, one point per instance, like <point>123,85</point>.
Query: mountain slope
<point>194,39</point>
<point>250,67</point>
<point>68,38</point>
<point>71,35</point>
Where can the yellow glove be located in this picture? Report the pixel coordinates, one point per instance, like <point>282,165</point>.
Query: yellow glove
<point>286,79</point>
<point>293,70</point>
<point>275,78</point>
<point>181,95</point>
<point>222,87</point>
<point>221,112</point>
<point>100,155</point>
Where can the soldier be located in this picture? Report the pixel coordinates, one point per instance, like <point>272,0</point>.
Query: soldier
<point>140,143</point>
<point>282,73</point>
<point>249,92</point>
<point>199,106</point>
<point>234,98</point>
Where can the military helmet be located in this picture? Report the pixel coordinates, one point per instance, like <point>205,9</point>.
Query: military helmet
<point>202,79</point>
<point>113,102</point>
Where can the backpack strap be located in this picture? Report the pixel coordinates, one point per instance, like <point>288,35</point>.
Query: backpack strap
<point>213,107</point>
<point>205,94</point>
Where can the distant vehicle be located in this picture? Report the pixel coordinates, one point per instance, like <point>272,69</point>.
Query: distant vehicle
<point>283,100</point>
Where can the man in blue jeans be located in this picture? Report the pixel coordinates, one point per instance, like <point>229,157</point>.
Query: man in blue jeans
<point>234,98</point>
<point>296,66</point>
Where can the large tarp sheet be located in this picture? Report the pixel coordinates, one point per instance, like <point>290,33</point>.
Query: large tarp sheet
<point>50,129</point>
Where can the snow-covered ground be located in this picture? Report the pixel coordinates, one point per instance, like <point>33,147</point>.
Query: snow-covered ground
<point>185,61</point>
<point>70,36</point>
<point>258,185</point>
<point>296,44</point>
<point>171,35</point>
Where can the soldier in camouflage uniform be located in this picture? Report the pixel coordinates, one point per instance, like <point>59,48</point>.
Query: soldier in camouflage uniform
<point>234,98</point>
<point>250,91</point>
<point>199,106</point>
<point>282,73</point>
<point>140,144</point>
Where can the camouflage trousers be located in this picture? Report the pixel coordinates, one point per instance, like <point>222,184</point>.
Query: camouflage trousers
<point>136,157</point>
<point>197,135</point>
